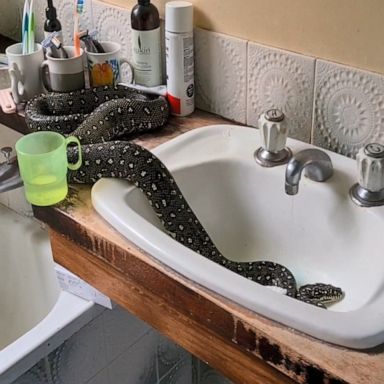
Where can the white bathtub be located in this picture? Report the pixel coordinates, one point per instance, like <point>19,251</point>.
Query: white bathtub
<point>36,316</point>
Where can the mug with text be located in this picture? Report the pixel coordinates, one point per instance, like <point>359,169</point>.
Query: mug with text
<point>105,68</point>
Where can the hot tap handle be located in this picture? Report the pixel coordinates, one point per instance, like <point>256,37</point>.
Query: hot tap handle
<point>273,130</point>
<point>370,164</point>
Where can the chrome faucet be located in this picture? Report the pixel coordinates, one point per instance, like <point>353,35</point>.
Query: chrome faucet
<point>9,171</point>
<point>316,163</point>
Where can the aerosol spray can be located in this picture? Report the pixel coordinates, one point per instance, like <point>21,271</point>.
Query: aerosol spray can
<point>179,57</point>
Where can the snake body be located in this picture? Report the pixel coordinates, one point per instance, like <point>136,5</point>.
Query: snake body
<point>99,116</point>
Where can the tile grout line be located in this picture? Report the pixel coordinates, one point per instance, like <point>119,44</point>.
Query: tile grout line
<point>313,102</point>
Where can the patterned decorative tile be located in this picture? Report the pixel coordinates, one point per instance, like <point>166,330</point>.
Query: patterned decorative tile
<point>81,357</point>
<point>65,15</point>
<point>10,18</point>
<point>36,375</point>
<point>137,365</point>
<point>283,80</point>
<point>181,373</point>
<point>169,355</point>
<point>220,74</point>
<point>208,375</point>
<point>121,330</point>
<point>39,6</point>
<point>348,109</point>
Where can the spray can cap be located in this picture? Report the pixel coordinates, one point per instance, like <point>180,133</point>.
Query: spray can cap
<point>179,16</point>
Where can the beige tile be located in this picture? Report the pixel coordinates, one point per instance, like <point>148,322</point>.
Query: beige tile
<point>283,80</point>
<point>220,74</point>
<point>137,365</point>
<point>348,108</point>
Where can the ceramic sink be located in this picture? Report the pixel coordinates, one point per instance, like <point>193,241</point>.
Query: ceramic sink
<point>319,234</point>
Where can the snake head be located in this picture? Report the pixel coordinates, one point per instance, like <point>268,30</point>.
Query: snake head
<point>320,293</point>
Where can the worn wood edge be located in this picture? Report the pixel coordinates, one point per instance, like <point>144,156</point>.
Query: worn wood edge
<point>15,121</point>
<point>165,316</point>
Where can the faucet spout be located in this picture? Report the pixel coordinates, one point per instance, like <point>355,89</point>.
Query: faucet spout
<point>316,163</point>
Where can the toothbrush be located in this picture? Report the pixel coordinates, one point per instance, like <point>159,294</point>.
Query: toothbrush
<point>24,37</point>
<point>54,44</point>
<point>31,29</point>
<point>79,6</point>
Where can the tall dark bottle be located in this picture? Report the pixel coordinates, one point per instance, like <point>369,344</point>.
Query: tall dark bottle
<point>52,23</point>
<point>146,45</point>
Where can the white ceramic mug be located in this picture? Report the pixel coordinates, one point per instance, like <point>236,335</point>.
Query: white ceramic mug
<point>24,71</point>
<point>63,74</point>
<point>105,68</point>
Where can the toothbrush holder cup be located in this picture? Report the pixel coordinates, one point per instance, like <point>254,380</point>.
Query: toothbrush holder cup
<point>24,72</point>
<point>63,74</point>
<point>105,68</point>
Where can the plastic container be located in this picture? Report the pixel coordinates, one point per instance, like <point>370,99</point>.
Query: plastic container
<point>180,57</point>
<point>146,44</point>
<point>42,158</point>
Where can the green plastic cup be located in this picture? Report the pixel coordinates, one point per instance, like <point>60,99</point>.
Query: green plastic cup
<point>43,164</point>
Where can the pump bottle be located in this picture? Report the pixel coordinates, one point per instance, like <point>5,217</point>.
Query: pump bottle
<point>52,23</point>
<point>146,46</point>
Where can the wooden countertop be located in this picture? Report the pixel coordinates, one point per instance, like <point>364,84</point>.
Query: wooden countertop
<point>238,342</point>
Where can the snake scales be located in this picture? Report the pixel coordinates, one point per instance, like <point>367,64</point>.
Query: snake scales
<point>98,117</point>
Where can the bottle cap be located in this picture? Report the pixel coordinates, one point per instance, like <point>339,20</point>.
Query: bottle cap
<point>179,16</point>
<point>50,11</point>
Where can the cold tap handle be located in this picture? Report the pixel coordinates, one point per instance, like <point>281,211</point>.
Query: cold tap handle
<point>273,130</point>
<point>370,164</point>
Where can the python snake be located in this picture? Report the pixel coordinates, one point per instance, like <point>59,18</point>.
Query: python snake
<point>97,117</point>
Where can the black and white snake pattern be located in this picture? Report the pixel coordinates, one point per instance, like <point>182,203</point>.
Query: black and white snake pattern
<point>99,116</point>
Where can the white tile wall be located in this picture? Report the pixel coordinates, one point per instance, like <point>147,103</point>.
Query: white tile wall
<point>220,74</point>
<point>283,80</point>
<point>240,79</point>
<point>348,108</point>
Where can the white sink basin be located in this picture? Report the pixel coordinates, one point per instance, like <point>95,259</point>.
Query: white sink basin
<point>319,234</point>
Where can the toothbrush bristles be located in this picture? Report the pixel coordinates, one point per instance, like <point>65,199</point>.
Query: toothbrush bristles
<point>80,6</point>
